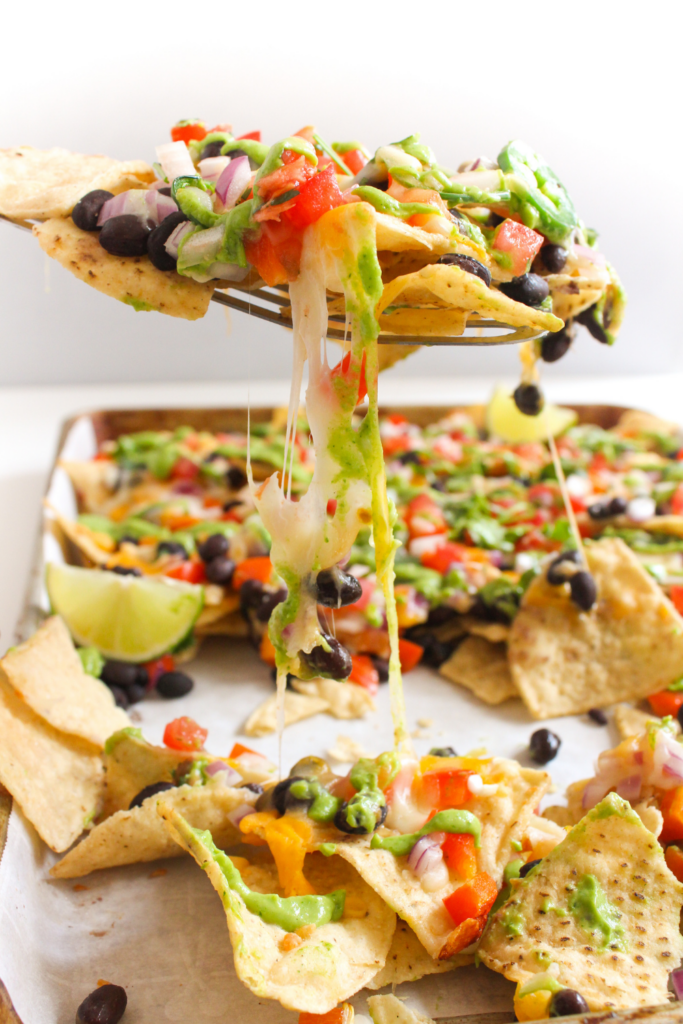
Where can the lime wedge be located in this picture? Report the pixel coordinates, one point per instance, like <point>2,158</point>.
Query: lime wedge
<point>131,618</point>
<point>504,420</point>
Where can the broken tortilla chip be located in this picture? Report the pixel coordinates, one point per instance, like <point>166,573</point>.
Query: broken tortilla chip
<point>47,674</point>
<point>408,960</point>
<point>131,764</point>
<point>345,700</point>
<point>483,668</point>
<point>603,906</point>
<point>631,721</point>
<point>298,706</point>
<point>565,661</point>
<point>392,1010</point>
<point>134,280</point>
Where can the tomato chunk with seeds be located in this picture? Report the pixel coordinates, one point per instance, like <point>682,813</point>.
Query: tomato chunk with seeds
<point>186,131</point>
<point>519,243</point>
<point>185,734</point>
<point>666,702</point>
<point>473,899</point>
<point>258,568</point>
<point>188,572</point>
<point>318,195</point>
<point>409,654</point>
<point>364,673</point>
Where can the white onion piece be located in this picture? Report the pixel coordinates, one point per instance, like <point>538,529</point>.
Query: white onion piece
<point>232,778</point>
<point>486,180</point>
<point>667,762</point>
<point>236,815</point>
<point>639,510</point>
<point>255,767</point>
<point>480,163</point>
<point>176,236</point>
<point>578,486</point>
<point>630,787</point>
<point>586,253</point>
<point>212,167</point>
<point>426,545</point>
<point>524,561</point>
<point>228,272</point>
<point>175,160</point>
<point>233,181</point>
<point>134,202</point>
<point>202,244</point>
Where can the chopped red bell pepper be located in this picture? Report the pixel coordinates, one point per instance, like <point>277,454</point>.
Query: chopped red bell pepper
<point>186,131</point>
<point>473,899</point>
<point>260,252</point>
<point>447,789</point>
<point>238,749</point>
<point>166,663</point>
<point>666,702</point>
<point>256,136</point>
<point>459,854</point>
<point>519,243</point>
<point>671,807</point>
<point>184,734</point>
<point>343,371</point>
<point>188,572</point>
<point>674,861</point>
<point>410,654</point>
<point>318,195</point>
<point>339,1015</point>
<point>364,673</point>
<point>355,160</point>
<point>258,568</point>
<point>677,501</point>
<point>443,557</point>
<point>287,244</point>
<point>424,517</point>
<point>676,595</point>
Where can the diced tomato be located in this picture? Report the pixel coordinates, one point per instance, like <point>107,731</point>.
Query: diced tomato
<point>287,244</point>
<point>677,501</point>
<point>395,445</point>
<point>518,242</point>
<point>666,702</point>
<point>534,540</point>
<point>424,517</point>
<point>410,654</point>
<point>183,522</point>
<point>543,494</point>
<point>102,457</point>
<point>577,504</point>
<point>368,588</point>
<point>186,131</point>
<point>331,507</point>
<point>459,854</point>
<point>364,673</point>
<point>306,133</point>
<point>340,1015</point>
<point>672,812</point>
<point>260,252</point>
<point>355,160</point>
<point>318,195</point>
<point>238,749</point>
<point>443,557</point>
<point>674,861</point>
<point>189,572</point>
<point>343,371</point>
<point>184,469</point>
<point>258,568</point>
<point>598,463</point>
<point>397,419</point>
<point>676,595</point>
<point>211,502</point>
<point>166,663</point>
<point>184,734</point>
<point>256,136</point>
<point>473,899</point>
<point>447,789</point>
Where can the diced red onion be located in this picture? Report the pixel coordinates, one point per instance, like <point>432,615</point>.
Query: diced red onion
<point>176,236</point>
<point>232,778</point>
<point>175,160</point>
<point>590,254</point>
<point>475,165</point>
<point>187,487</point>
<point>487,181</point>
<point>212,167</point>
<point>228,271</point>
<point>677,982</point>
<point>160,207</point>
<point>496,558</point>
<point>134,202</point>
<point>202,244</point>
<point>426,853</point>
<point>667,767</point>
<point>629,788</point>
<point>238,813</point>
<point>233,181</point>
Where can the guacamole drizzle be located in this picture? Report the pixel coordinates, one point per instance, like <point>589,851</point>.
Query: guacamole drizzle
<point>444,821</point>
<point>594,912</point>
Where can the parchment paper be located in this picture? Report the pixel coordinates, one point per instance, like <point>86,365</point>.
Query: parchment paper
<point>159,930</point>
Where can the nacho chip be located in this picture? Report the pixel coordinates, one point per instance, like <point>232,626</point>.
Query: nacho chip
<point>79,544</point>
<point>233,625</point>
<point>633,422</point>
<point>345,700</point>
<point>322,969</point>
<point>631,721</point>
<point>36,184</point>
<point>131,279</point>
<point>504,817</point>
<point>408,960</point>
<point>495,632</point>
<point>56,779</point>
<point>132,837</point>
<point>482,667</point>
<point>131,764</point>
<point>630,644</point>
<point>298,706</point>
<point>46,672</point>
<point>603,906</point>
<point>390,1010</point>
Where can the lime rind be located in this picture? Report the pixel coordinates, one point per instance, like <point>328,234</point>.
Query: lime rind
<point>505,421</point>
<point>129,618</point>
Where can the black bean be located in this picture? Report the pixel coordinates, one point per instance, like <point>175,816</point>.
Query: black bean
<point>438,616</point>
<point>211,149</point>
<point>587,318</point>
<point>528,399</point>
<point>136,693</point>
<point>220,570</point>
<point>156,243</point>
<point>553,258</point>
<point>212,547</point>
<point>120,697</point>
<point>255,787</point>
<point>554,346</point>
<point>617,506</point>
<point>382,667</point>
<point>270,599</point>
<point>341,820</point>
<point>87,210</point>
<point>125,236</point>
<point>235,478</point>
<point>435,652</point>
<point>468,264</point>
<point>336,588</point>
<point>442,752</point>
<point>598,716</point>
<point>584,592</point>
<point>529,289</point>
<point>174,684</point>
<point>544,745</point>
<point>409,458</point>
<point>151,790</point>
<point>106,1005</point>
<point>280,793</point>
<point>234,153</point>
<point>251,596</point>
<point>126,570</point>
<point>560,569</point>
<point>335,662</point>
<point>165,191</point>
<point>679,716</point>
<point>567,1002</point>
<point>526,868</point>
<point>231,504</point>
<point>599,510</point>
<point>120,673</point>
<point>127,539</point>
<point>172,547</point>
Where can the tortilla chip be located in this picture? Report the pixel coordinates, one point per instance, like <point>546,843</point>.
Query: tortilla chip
<point>393,235</point>
<point>56,779</point>
<point>232,625</point>
<point>325,968</point>
<point>390,1010</point>
<point>635,421</point>
<point>298,706</point>
<point>46,672</point>
<point>94,482</point>
<point>132,837</point>
<point>131,764</point>
<point>345,700</point>
<point>631,721</point>
<point>425,322</point>
<point>672,525</point>
<point>346,750</point>
<point>36,184</point>
<point>611,972</point>
<point>131,279</point>
<point>483,668</point>
<point>91,549</point>
<point>212,613</point>
<point>630,644</point>
<point>504,817</point>
<point>496,632</point>
<point>408,960</point>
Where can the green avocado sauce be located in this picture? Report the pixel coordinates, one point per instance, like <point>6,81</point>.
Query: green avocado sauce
<point>121,734</point>
<point>387,204</point>
<point>594,912</point>
<point>445,821</point>
<point>256,151</point>
<point>512,922</point>
<point>363,808</point>
<point>289,912</point>
<point>324,806</point>
<point>540,983</point>
<point>91,660</point>
<point>511,871</point>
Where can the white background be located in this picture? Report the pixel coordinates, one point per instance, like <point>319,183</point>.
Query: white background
<point>594,86</point>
